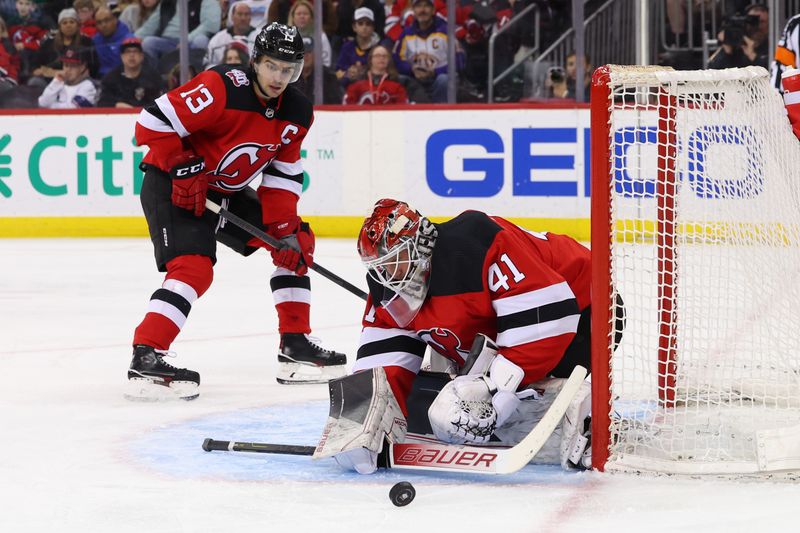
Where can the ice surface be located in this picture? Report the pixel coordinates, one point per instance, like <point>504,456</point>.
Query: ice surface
<point>76,456</point>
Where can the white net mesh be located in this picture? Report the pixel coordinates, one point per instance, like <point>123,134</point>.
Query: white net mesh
<point>706,377</point>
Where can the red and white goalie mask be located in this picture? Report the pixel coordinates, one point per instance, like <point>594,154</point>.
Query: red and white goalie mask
<point>396,244</point>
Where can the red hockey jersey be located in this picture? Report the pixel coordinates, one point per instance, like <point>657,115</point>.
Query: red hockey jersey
<point>523,289</point>
<point>218,115</point>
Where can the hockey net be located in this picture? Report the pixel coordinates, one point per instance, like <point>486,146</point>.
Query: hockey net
<point>696,228</point>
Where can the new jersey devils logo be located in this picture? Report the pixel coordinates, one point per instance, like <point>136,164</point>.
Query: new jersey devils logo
<point>241,165</point>
<point>238,77</point>
<point>444,342</point>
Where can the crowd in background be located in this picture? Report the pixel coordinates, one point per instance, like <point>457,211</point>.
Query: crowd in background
<point>123,53</point>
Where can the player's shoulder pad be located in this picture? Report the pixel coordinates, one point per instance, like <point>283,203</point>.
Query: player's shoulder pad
<point>295,107</point>
<point>461,248</point>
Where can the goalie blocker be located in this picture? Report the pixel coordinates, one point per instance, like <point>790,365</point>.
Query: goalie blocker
<point>470,409</point>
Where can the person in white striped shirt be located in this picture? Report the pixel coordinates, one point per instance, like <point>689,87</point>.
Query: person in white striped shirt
<point>786,52</point>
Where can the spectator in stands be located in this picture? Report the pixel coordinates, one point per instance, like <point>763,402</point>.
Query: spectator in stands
<point>72,88</point>
<point>677,14</point>
<point>133,83</point>
<point>135,14</point>
<point>561,83</point>
<point>9,61</point>
<point>301,15</point>
<point>353,55</point>
<point>331,90</point>
<point>240,30</point>
<point>421,51</point>
<point>480,21</point>
<point>279,12</point>
<point>107,40</point>
<point>381,85</point>
<point>236,53</point>
<point>174,76</point>
<point>27,29</point>
<point>345,11</point>
<point>46,62</point>
<point>161,32</point>
<point>743,42</point>
<point>258,12</point>
<point>85,10</point>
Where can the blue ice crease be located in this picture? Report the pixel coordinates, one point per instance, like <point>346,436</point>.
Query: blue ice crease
<point>175,450</point>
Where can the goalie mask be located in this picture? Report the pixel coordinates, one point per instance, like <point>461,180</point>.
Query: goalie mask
<point>396,245</point>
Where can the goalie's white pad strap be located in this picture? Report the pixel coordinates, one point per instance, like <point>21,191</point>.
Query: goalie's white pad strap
<point>481,355</point>
<point>363,413</point>
<point>505,404</point>
<point>505,375</point>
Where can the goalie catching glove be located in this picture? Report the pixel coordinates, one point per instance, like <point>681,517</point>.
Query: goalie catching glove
<point>363,414</point>
<point>468,409</point>
<point>472,407</point>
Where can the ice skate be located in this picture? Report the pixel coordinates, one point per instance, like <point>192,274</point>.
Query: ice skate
<point>302,361</point>
<point>150,378</point>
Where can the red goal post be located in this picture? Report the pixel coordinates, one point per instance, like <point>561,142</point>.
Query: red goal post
<point>696,232</point>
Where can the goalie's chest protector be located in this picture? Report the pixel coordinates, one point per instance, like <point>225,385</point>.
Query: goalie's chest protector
<point>459,304</point>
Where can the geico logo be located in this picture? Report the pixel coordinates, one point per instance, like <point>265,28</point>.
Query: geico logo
<point>474,162</point>
<point>716,161</point>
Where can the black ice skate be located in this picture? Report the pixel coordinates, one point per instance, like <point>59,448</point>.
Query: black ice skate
<point>152,379</point>
<point>302,361</point>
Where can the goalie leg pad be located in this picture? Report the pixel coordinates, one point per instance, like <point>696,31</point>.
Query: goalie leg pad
<point>576,450</point>
<point>531,410</point>
<point>363,413</point>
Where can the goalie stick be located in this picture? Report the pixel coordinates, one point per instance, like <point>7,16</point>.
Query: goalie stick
<point>447,457</point>
<point>277,244</point>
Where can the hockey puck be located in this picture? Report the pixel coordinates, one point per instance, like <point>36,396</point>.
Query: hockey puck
<point>402,494</point>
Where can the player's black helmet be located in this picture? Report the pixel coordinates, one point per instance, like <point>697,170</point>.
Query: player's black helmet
<point>280,42</point>
<point>283,43</point>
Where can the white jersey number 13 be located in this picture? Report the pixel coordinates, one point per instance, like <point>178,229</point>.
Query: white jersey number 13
<point>198,102</point>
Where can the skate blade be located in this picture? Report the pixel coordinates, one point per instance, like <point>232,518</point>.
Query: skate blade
<point>300,374</point>
<point>146,390</point>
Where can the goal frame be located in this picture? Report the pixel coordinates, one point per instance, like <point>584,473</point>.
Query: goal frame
<point>777,448</point>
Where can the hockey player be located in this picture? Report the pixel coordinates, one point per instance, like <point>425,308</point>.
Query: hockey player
<point>524,297</point>
<point>211,137</point>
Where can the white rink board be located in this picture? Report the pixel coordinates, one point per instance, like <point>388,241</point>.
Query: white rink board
<point>527,162</point>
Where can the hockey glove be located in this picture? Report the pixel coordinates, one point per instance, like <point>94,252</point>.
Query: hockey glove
<point>189,183</point>
<point>297,250</point>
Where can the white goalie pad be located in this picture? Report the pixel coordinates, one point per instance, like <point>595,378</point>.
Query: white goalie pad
<point>575,451</point>
<point>569,444</point>
<point>363,413</point>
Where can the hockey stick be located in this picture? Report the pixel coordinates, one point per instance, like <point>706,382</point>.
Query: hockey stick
<point>449,457</point>
<point>275,243</point>
<point>211,445</point>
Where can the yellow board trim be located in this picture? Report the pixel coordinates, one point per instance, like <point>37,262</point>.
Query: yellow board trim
<point>324,226</point>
